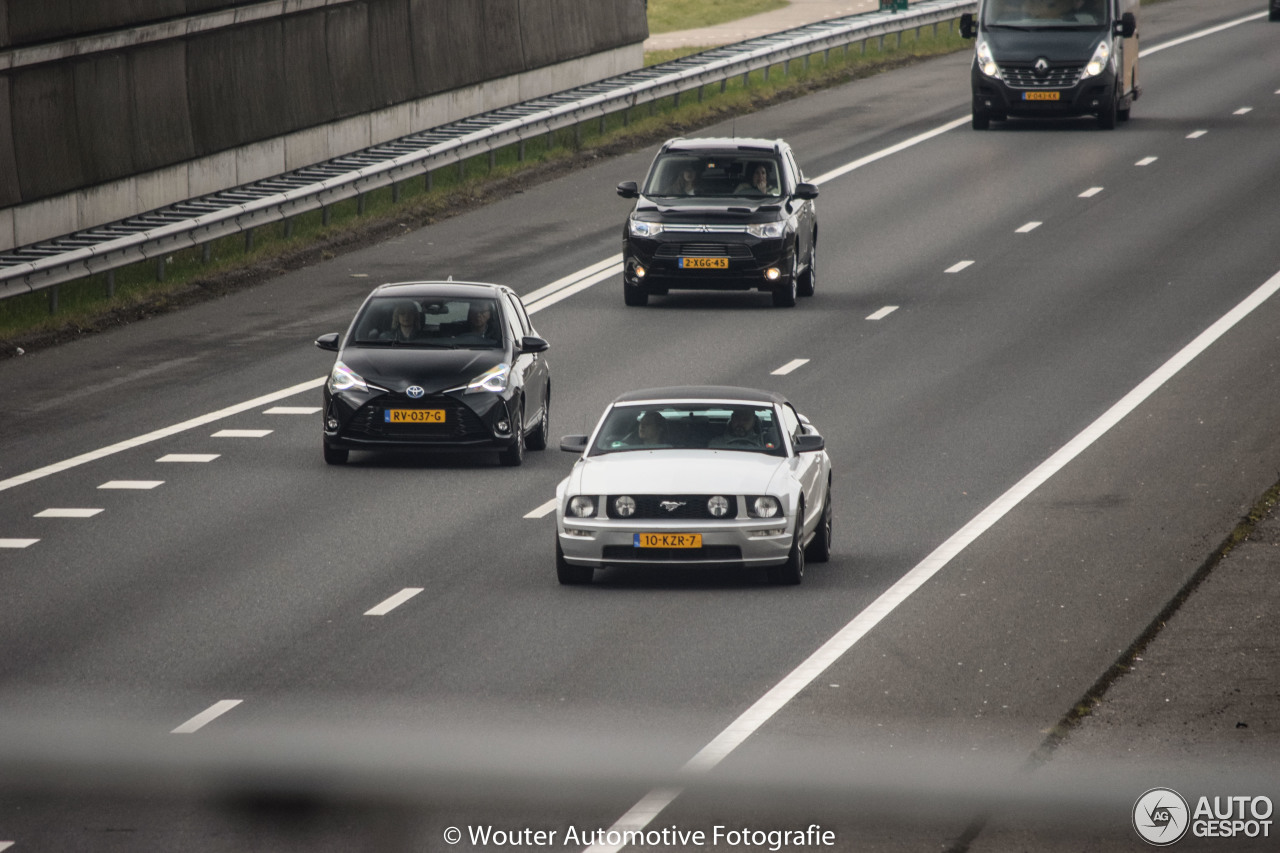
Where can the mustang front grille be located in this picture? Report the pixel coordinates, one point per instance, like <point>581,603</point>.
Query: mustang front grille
<point>673,507</point>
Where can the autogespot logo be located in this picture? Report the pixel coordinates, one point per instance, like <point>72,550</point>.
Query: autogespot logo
<point>1161,817</point>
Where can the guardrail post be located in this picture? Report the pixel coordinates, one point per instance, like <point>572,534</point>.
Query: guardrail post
<point>676,103</point>
<point>724,85</point>
<point>430,181</point>
<point>360,204</point>
<point>248,241</point>
<point>603,124</point>
<point>326,215</point>
<point>577,134</point>
<point>288,228</point>
<point>493,159</point>
<point>395,193</point>
<point>520,156</point>
<point>160,268</point>
<point>111,283</point>
<point>53,299</point>
<point>206,252</point>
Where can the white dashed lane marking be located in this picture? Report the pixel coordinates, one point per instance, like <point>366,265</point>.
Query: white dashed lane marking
<point>242,433</point>
<point>17,543</point>
<point>1091,192</point>
<point>1242,111</point>
<point>292,410</point>
<point>790,366</point>
<point>1196,134</point>
<point>202,719</point>
<point>955,268</point>
<point>883,312</point>
<point>131,484</point>
<point>544,510</point>
<point>1028,228</point>
<point>67,512</point>
<point>188,457</point>
<point>1146,161</point>
<point>394,601</point>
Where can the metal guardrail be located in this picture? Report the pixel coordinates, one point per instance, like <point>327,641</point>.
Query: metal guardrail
<point>198,221</point>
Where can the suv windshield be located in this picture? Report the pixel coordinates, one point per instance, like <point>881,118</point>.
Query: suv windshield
<point>737,174</point>
<point>427,322</point>
<point>1046,13</point>
<point>690,426</point>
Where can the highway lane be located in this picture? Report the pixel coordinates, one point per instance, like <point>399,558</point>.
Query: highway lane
<point>244,577</point>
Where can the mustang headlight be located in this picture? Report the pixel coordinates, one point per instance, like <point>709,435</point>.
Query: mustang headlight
<point>1098,63</point>
<point>767,230</point>
<point>582,506</point>
<point>987,62</point>
<point>764,506</point>
<point>624,506</point>
<point>344,378</point>
<point>640,228</point>
<point>494,379</point>
<point>718,506</point>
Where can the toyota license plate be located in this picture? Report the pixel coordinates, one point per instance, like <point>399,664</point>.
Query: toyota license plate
<point>414,416</point>
<point>704,263</point>
<point>1040,96</point>
<point>667,540</point>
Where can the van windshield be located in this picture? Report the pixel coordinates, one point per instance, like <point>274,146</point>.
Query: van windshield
<point>1076,14</point>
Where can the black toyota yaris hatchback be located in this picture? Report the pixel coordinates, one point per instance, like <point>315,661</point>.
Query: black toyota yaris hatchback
<point>721,214</point>
<point>437,365</point>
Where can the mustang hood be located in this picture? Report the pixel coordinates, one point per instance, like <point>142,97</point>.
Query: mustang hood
<point>396,368</point>
<point>676,472</point>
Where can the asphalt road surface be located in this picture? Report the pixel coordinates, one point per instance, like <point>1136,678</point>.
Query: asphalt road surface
<point>1043,358</point>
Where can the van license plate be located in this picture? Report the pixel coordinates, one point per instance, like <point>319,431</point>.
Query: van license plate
<point>1039,96</point>
<point>704,263</point>
<point>667,540</point>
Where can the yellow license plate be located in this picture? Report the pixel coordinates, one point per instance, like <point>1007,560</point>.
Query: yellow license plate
<point>414,416</point>
<point>1039,96</point>
<point>704,263</point>
<point>668,540</point>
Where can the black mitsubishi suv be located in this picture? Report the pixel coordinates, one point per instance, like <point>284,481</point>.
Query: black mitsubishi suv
<point>721,214</point>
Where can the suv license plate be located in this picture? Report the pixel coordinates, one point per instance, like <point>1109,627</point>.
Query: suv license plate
<point>704,263</point>
<point>667,540</point>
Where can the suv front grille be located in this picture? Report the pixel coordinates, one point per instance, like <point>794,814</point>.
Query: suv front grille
<point>736,251</point>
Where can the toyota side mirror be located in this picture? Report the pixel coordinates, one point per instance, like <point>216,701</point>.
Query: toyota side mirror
<point>533,343</point>
<point>328,342</point>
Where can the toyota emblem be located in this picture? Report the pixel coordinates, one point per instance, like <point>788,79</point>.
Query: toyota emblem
<point>415,391</point>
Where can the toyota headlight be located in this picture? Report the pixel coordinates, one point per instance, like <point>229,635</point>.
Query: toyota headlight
<point>493,380</point>
<point>987,62</point>
<point>1101,57</point>
<point>344,378</point>
<point>767,230</point>
<point>640,228</point>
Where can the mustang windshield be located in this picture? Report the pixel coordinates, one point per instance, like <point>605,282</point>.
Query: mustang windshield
<point>1033,14</point>
<point>692,426</point>
<point>740,174</point>
<point>429,323</point>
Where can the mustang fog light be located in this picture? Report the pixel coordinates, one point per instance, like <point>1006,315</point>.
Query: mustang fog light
<point>769,533</point>
<point>625,506</point>
<point>575,532</point>
<point>582,506</point>
<point>718,506</point>
<point>773,273</point>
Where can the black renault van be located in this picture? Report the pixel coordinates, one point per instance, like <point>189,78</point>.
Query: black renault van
<point>1053,58</point>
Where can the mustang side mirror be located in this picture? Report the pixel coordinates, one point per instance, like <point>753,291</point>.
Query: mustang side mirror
<point>329,341</point>
<point>628,189</point>
<point>809,443</point>
<point>573,443</point>
<point>967,29</point>
<point>533,343</point>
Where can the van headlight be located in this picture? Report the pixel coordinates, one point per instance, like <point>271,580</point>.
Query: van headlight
<point>987,62</point>
<point>1100,60</point>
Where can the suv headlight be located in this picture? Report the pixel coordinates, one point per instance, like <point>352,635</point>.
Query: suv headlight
<point>1098,64</point>
<point>640,228</point>
<point>767,230</point>
<point>987,62</point>
<point>494,380</point>
<point>344,378</point>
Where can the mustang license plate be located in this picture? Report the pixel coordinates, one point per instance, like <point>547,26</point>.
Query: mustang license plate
<point>667,540</point>
<point>414,416</point>
<point>1039,96</point>
<point>704,263</point>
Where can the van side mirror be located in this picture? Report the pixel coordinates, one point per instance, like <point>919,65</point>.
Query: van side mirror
<point>967,30</point>
<point>573,443</point>
<point>1127,25</point>
<point>628,189</point>
<point>328,342</point>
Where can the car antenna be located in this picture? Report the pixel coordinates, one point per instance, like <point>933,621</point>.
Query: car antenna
<point>450,278</point>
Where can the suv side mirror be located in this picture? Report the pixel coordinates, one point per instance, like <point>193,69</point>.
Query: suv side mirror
<point>628,189</point>
<point>967,29</point>
<point>806,191</point>
<point>809,443</point>
<point>573,443</point>
<point>1127,25</point>
<point>328,342</point>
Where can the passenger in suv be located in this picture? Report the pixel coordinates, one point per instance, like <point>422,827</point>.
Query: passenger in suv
<point>721,214</point>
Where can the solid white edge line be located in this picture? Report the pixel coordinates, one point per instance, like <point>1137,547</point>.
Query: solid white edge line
<point>892,149</point>
<point>394,601</point>
<point>542,511</point>
<point>1202,33</point>
<point>571,278</point>
<point>640,815</point>
<point>159,434</point>
<point>576,287</point>
<point>790,366</point>
<point>207,716</point>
